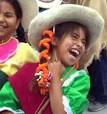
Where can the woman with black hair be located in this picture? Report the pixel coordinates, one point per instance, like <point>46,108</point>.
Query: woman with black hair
<point>15,16</point>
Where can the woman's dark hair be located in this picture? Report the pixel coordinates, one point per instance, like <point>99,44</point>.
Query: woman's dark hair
<point>68,28</point>
<point>18,11</point>
<point>20,34</point>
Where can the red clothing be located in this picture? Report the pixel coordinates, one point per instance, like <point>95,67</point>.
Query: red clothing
<point>29,100</point>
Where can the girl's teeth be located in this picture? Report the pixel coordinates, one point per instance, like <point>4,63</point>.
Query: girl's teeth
<point>75,51</point>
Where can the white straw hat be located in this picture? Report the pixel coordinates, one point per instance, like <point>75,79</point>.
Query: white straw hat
<point>29,10</point>
<point>48,3</point>
<point>64,13</point>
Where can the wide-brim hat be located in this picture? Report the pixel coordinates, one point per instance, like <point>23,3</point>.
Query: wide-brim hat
<point>48,3</point>
<point>66,13</point>
<point>29,10</point>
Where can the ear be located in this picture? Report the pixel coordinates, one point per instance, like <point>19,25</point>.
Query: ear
<point>55,41</point>
<point>17,23</point>
<point>87,50</point>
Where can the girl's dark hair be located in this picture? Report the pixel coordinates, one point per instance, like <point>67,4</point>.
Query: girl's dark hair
<point>18,11</point>
<point>68,28</point>
<point>20,34</point>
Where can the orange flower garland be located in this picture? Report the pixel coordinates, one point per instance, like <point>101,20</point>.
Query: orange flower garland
<point>42,74</point>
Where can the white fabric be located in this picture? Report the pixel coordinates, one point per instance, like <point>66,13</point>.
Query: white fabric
<point>9,109</point>
<point>71,79</point>
<point>66,105</point>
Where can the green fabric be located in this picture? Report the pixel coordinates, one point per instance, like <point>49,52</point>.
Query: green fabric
<point>8,98</point>
<point>68,71</point>
<point>76,92</point>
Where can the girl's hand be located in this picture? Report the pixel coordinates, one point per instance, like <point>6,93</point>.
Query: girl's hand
<point>55,93</point>
<point>56,68</point>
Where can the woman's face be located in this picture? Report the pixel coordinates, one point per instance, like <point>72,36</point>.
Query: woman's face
<point>71,47</point>
<point>8,21</point>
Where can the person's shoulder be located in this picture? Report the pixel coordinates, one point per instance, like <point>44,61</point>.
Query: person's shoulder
<point>27,51</point>
<point>82,72</point>
<point>26,47</point>
<point>78,76</point>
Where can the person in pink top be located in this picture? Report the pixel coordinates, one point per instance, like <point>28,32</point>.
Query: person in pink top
<point>15,14</point>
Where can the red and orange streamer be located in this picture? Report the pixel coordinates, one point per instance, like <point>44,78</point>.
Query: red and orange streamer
<point>42,69</point>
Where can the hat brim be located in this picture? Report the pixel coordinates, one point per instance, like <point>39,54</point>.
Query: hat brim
<point>66,13</point>
<point>29,10</point>
<point>46,5</point>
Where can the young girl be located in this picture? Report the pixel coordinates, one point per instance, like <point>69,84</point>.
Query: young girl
<point>14,15</point>
<point>55,85</point>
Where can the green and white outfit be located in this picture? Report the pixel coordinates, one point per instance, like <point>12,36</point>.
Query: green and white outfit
<point>75,89</point>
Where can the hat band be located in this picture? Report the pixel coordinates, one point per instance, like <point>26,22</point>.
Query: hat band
<point>46,1</point>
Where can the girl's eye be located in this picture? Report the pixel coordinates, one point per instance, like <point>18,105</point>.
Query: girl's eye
<point>84,42</point>
<point>74,36</point>
<point>8,14</point>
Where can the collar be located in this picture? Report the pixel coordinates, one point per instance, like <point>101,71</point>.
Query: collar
<point>8,49</point>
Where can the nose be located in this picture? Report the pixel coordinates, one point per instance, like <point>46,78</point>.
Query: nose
<point>1,18</point>
<point>79,43</point>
